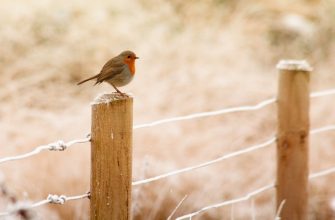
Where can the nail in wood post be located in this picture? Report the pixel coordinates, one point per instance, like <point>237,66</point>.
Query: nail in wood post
<point>111,157</point>
<point>292,144</point>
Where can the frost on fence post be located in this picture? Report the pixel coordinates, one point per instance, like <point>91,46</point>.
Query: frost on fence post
<point>111,157</point>
<point>292,143</point>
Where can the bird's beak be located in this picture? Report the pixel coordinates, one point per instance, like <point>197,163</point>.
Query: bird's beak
<point>137,58</point>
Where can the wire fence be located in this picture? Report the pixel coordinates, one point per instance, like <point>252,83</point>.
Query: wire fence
<point>55,146</point>
<point>225,157</point>
<point>250,195</point>
<point>52,199</point>
<point>245,108</point>
<point>61,146</point>
<point>56,199</point>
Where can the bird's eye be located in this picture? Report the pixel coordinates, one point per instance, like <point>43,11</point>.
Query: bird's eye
<point>129,56</point>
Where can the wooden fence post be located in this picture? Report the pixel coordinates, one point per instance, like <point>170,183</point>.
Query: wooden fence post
<point>111,157</point>
<point>292,143</point>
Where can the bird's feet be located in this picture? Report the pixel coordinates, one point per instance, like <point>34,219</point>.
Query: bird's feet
<point>118,91</point>
<point>122,94</point>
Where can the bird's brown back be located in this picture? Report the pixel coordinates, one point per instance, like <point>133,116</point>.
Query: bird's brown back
<point>113,67</point>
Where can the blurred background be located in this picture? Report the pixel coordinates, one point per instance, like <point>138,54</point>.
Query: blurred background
<point>195,56</point>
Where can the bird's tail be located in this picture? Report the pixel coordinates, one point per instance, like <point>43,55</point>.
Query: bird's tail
<point>85,80</point>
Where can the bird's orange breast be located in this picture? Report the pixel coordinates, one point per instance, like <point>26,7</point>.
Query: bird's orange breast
<point>131,65</point>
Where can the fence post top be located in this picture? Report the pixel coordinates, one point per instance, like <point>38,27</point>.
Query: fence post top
<point>298,65</point>
<point>105,98</point>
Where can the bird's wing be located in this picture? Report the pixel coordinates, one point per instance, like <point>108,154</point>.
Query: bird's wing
<point>110,69</point>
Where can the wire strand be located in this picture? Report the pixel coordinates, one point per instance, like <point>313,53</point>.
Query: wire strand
<point>56,199</point>
<point>56,146</point>
<point>226,110</point>
<point>229,202</point>
<point>252,194</point>
<point>224,157</point>
<point>322,173</point>
<point>323,93</point>
<point>207,114</point>
<point>53,199</point>
<point>60,145</point>
<point>205,164</point>
<point>323,129</point>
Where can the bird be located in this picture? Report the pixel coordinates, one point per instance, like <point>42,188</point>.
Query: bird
<point>118,71</point>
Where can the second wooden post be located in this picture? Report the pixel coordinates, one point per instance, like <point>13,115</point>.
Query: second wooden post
<point>111,157</point>
<point>292,144</point>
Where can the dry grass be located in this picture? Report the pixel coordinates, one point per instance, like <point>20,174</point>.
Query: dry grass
<point>195,56</point>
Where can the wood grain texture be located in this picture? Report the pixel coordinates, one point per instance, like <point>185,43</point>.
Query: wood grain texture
<point>292,144</point>
<point>111,157</point>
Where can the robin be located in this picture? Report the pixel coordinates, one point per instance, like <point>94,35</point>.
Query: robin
<point>118,71</point>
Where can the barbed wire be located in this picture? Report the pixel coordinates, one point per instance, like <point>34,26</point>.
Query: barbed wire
<point>251,194</point>
<point>55,146</point>
<point>209,113</point>
<point>53,199</point>
<point>229,202</point>
<point>61,145</point>
<point>61,199</point>
<point>257,106</point>
<point>224,157</point>
<point>205,164</point>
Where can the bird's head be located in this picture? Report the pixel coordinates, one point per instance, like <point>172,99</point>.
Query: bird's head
<point>128,56</point>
